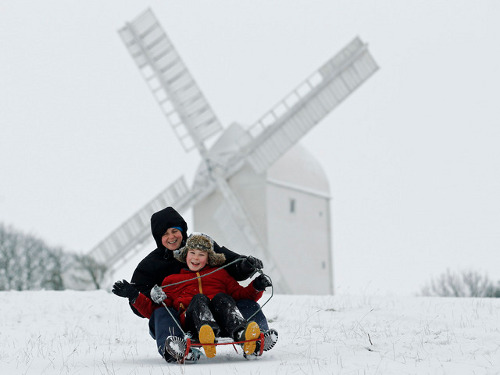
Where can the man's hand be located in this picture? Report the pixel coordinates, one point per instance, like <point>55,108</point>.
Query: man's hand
<point>124,289</point>
<point>261,282</point>
<point>250,264</point>
<point>157,294</point>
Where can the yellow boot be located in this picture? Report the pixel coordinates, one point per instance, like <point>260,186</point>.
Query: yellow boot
<point>252,332</point>
<point>207,336</point>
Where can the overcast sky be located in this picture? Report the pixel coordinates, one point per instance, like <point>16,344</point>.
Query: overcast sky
<point>412,157</point>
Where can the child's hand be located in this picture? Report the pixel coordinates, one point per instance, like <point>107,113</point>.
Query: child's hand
<point>261,282</point>
<point>157,294</point>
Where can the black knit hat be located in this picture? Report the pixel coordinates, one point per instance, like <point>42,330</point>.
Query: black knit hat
<point>164,219</point>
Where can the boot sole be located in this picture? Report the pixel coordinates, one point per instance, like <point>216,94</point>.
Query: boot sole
<point>270,340</point>
<point>252,332</point>
<point>207,336</point>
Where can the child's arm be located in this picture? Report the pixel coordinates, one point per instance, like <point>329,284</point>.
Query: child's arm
<point>144,305</point>
<point>136,299</point>
<point>235,290</point>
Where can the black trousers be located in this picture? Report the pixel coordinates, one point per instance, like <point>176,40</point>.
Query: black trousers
<point>221,313</point>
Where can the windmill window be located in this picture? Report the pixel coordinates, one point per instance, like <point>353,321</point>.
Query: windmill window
<point>292,206</point>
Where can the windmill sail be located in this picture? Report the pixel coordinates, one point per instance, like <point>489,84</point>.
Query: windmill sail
<point>175,90</point>
<point>136,230</point>
<point>280,128</point>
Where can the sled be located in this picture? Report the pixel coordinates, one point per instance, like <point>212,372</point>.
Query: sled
<point>190,343</point>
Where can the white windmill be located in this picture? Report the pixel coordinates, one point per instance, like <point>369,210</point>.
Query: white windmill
<point>246,193</point>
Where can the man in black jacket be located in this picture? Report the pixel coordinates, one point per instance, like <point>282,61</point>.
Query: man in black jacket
<point>169,230</point>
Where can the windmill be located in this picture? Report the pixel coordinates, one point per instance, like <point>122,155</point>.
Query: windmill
<point>230,195</point>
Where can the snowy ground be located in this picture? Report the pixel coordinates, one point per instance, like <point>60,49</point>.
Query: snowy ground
<point>95,333</point>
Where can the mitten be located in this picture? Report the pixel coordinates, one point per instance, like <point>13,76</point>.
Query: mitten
<point>124,289</point>
<point>157,294</point>
<point>261,282</point>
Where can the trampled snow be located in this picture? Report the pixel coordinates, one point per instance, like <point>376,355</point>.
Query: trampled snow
<point>70,332</point>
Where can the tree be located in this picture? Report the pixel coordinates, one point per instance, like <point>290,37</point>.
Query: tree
<point>461,284</point>
<point>86,271</point>
<point>27,262</point>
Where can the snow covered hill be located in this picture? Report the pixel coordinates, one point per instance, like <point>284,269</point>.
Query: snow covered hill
<point>85,333</point>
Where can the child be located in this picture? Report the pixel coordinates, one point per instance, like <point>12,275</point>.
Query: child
<point>205,299</point>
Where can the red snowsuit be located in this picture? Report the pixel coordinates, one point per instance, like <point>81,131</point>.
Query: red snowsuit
<point>179,296</point>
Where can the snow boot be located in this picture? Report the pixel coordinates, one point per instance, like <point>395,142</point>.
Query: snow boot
<point>176,347</point>
<point>251,332</point>
<point>206,336</point>
<point>270,339</point>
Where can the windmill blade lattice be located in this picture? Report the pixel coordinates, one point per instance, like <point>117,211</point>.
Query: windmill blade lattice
<point>282,127</point>
<point>135,231</point>
<point>175,90</point>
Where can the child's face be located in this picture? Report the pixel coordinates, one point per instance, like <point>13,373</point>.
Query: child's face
<point>196,259</point>
<point>172,239</point>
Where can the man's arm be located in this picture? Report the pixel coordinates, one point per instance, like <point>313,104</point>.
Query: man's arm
<point>241,270</point>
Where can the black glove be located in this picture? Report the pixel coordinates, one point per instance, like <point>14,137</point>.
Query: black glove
<point>261,282</point>
<point>250,264</point>
<point>124,289</point>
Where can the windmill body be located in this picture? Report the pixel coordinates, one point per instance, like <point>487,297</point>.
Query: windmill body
<point>289,206</point>
<point>256,190</point>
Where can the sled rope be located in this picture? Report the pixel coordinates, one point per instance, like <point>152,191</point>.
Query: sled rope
<point>218,269</point>
<point>264,304</point>
<point>199,277</point>
<point>175,320</point>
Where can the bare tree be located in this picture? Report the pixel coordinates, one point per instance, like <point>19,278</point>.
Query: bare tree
<point>28,263</point>
<point>87,272</point>
<point>57,263</point>
<point>461,284</point>
<point>8,249</point>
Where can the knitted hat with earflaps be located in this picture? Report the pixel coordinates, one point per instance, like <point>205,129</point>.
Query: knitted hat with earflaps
<point>201,241</point>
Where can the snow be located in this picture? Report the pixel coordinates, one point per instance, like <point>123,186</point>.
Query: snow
<point>94,332</point>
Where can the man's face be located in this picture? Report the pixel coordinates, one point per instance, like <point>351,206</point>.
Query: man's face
<point>196,259</point>
<point>172,239</point>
